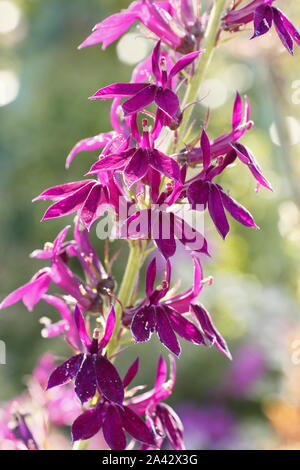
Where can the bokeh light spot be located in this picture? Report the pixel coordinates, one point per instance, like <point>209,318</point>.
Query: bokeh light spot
<point>10,16</point>
<point>9,87</point>
<point>132,48</point>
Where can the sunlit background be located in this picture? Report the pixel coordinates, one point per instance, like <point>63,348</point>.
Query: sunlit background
<point>253,402</point>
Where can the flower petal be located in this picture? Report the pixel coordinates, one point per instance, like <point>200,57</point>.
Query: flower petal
<point>112,429</point>
<point>61,190</point>
<point>108,380</point>
<point>85,384</point>
<point>143,324</point>
<point>184,62</point>
<point>137,167</point>
<point>216,210</point>
<point>89,144</point>
<point>205,146</point>
<point>109,328</point>
<point>168,101</point>
<point>80,324</point>
<point>164,164</point>
<point>131,373</point>
<point>87,424</point>
<point>150,277</point>
<point>237,211</point>
<point>165,332</point>
<point>65,372</point>
<point>140,100</point>
<point>136,427</point>
<point>119,89</point>
<point>184,327</point>
<point>282,32</point>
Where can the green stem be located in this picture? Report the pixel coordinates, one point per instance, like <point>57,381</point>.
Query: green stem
<point>134,262</point>
<point>80,445</point>
<point>202,65</point>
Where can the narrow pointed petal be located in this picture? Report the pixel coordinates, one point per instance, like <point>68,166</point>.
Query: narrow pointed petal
<point>184,327</point>
<point>172,426</point>
<point>263,18</point>
<point>112,429</point>
<point>150,277</point>
<point>136,427</point>
<point>61,190</point>
<point>167,247</point>
<point>140,100</point>
<point>119,89</point>
<point>69,204</point>
<point>237,211</point>
<point>30,293</point>
<point>80,324</point>
<point>165,332</point>
<point>184,62</point>
<point>111,162</point>
<point>88,212</point>
<point>216,210</point>
<point>108,380</point>
<point>131,373</point>
<point>137,167</point>
<point>89,144</point>
<point>290,28</point>
<point>143,324</point>
<point>168,101</point>
<point>237,114</point>
<point>85,384</point>
<point>109,328</point>
<point>282,32</point>
<point>87,424</point>
<point>209,329</point>
<point>248,159</point>
<point>164,164</point>
<point>110,29</point>
<point>65,372</point>
<point>205,146</point>
<point>161,373</point>
<point>155,59</point>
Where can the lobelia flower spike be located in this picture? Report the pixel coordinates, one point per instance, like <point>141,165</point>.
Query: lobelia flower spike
<point>263,14</point>
<point>165,317</point>
<point>176,22</point>
<point>160,417</point>
<point>143,94</point>
<point>90,368</point>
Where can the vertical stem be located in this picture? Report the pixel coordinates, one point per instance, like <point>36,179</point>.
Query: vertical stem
<point>134,262</point>
<point>203,63</point>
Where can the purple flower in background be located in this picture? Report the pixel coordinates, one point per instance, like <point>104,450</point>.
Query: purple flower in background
<point>160,417</point>
<point>176,23</point>
<point>143,94</point>
<point>165,317</point>
<point>91,369</point>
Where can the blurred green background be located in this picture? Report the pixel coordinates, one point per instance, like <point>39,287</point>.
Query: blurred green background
<point>254,300</point>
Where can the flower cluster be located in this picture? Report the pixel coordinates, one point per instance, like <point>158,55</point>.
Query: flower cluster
<point>142,175</point>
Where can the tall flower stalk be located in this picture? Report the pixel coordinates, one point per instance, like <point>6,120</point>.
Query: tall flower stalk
<point>142,177</point>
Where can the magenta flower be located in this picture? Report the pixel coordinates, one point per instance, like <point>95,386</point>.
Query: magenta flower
<point>203,192</point>
<point>135,162</point>
<point>88,294</point>
<point>115,420</point>
<point>174,22</point>
<point>153,314</point>
<point>143,94</point>
<point>222,145</point>
<point>165,228</point>
<point>91,369</point>
<point>160,417</point>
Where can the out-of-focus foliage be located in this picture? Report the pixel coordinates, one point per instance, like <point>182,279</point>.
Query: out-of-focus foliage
<point>256,291</point>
